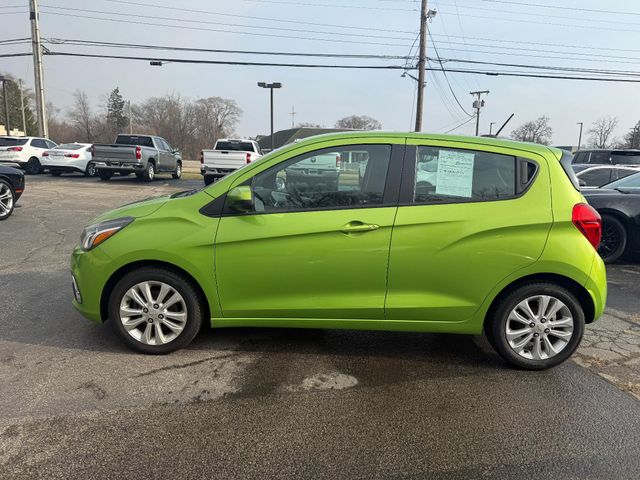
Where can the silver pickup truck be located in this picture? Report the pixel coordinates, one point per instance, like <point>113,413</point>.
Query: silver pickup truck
<point>144,155</point>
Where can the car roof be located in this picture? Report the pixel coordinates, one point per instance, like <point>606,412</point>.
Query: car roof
<point>486,141</point>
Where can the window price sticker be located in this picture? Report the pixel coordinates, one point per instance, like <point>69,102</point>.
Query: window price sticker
<point>455,173</point>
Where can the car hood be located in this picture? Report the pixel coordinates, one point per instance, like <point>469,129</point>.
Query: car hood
<point>138,209</point>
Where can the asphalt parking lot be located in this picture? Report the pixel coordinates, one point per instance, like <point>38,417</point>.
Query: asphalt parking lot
<point>258,403</point>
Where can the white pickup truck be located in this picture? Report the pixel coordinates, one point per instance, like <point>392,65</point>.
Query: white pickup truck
<point>227,156</point>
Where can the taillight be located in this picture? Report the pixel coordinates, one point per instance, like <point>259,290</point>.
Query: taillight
<point>248,158</point>
<point>338,161</point>
<point>588,221</point>
<point>72,155</point>
<point>138,153</point>
<point>45,154</point>
<point>14,149</point>
<point>201,157</point>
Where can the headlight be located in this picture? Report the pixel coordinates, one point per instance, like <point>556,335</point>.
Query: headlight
<point>94,235</point>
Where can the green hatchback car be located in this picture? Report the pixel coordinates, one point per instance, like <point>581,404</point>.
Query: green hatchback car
<point>419,233</point>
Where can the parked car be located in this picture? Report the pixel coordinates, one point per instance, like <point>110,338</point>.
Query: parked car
<point>227,155</point>
<point>11,188</point>
<point>503,242</point>
<point>583,159</point>
<point>599,175</point>
<point>619,205</point>
<point>144,155</point>
<point>25,152</point>
<point>69,158</point>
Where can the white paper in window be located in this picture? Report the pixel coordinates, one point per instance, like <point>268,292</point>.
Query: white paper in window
<point>455,173</point>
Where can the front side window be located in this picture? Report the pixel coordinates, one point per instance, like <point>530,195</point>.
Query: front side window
<point>340,177</point>
<point>445,175</point>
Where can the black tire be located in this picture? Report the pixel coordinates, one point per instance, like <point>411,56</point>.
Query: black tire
<point>495,324</point>
<point>184,287</point>
<point>56,173</point>
<point>614,239</point>
<point>11,203</point>
<point>105,174</point>
<point>209,179</point>
<point>150,172</point>
<point>33,166</point>
<point>178,173</point>
<point>90,171</point>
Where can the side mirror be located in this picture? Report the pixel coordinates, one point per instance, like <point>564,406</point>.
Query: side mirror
<point>240,199</point>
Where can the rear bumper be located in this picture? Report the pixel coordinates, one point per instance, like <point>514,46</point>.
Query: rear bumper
<point>596,285</point>
<point>219,172</point>
<point>120,166</point>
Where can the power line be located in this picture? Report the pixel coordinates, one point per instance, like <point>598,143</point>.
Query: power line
<point>185,27</point>
<point>360,7</point>
<point>461,125</point>
<point>579,9</point>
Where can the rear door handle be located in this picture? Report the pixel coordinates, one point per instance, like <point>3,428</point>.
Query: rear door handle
<point>359,227</point>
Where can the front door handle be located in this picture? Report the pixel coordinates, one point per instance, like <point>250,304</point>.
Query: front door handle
<point>359,227</point>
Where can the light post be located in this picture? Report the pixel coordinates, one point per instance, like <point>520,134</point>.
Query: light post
<point>491,127</point>
<point>270,86</point>
<point>7,122</point>
<point>580,134</point>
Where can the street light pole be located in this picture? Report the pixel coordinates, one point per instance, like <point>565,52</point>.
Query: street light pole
<point>580,134</point>
<point>7,122</point>
<point>491,127</point>
<point>270,86</point>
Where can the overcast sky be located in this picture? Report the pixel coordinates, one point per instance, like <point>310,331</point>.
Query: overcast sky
<point>462,29</point>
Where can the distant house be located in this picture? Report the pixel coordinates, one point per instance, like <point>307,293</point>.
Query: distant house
<point>284,137</point>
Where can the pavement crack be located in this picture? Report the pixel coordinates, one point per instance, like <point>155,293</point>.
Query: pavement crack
<point>183,365</point>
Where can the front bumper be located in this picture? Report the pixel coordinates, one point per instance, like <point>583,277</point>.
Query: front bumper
<point>89,278</point>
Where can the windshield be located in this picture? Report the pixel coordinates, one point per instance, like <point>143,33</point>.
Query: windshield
<point>10,142</point>
<point>69,146</point>
<point>134,140</point>
<point>235,146</point>
<point>625,158</point>
<point>632,181</point>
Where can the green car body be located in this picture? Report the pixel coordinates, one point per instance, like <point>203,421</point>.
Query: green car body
<point>394,266</point>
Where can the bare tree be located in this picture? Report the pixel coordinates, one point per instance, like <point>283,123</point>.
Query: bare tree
<point>216,118</point>
<point>359,122</point>
<point>632,138</point>
<point>82,117</point>
<point>601,131</point>
<point>535,131</point>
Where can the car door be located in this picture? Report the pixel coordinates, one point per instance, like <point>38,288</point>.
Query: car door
<point>469,216</point>
<point>311,248</point>
<point>162,154</point>
<point>168,156</point>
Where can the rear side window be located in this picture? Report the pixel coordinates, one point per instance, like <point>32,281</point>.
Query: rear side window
<point>581,157</point>
<point>134,140</point>
<point>10,142</point>
<point>235,146</point>
<point>445,175</point>
<point>625,158</point>
<point>599,158</point>
<point>565,161</point>
<point>38,143</point>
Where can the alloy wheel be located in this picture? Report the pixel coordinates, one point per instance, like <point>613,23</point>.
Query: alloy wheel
<point>6,200</point>
<point>153,313</point>
<point>539,327</point>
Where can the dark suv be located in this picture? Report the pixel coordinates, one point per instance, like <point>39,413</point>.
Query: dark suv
<point>583,159</point>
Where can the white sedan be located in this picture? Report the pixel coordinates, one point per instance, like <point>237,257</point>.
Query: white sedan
<point>69,157</point>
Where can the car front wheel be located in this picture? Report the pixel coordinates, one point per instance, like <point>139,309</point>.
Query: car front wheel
<point>537,326</point>
<point>7,200</point>
<point>155,311</point>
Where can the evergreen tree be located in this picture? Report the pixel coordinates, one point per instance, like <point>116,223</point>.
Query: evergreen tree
<point>15,115</point>
<point>116,117</point>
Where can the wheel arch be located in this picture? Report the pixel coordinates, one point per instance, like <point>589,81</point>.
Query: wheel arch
<point>574,287</point>
<point>125,269</point>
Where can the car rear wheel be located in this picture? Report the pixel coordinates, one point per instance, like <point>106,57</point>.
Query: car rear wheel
<point>7,200</point>
<point>155,311</point>
<point>150,173</point>
<point>33,166</point>
<point>91,170</point>
<point>178,172</point>
<point>105,174</point>
<point>537,326</point>
<point>614,239</point>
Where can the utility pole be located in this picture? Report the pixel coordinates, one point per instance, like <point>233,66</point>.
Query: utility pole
<point>7,122</point>
<point>580,134</point>
<point>24,121</point>
<point>293,114</point>
<point>478,103</point>
<point>422,62</point>
<point>130,123</point>
<point>36,47</point>
<point>270,86</point>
